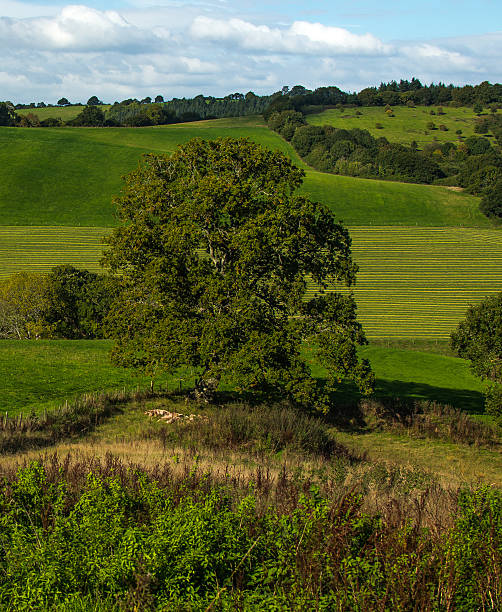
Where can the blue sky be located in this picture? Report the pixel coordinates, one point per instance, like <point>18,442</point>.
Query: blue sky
<point>122,48</point>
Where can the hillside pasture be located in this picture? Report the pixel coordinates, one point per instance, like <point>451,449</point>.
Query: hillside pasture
<point>68,177</point>
<point>65,113</point>
<point>407,124</point>
<point>42,374</point>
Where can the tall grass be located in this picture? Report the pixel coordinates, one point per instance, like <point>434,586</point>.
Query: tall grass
<point>254,429</point>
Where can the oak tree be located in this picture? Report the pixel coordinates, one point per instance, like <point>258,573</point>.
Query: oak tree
<point>225,270</point>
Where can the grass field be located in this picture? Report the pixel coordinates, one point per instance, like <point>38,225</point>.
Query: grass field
<point>408,124</point>
<point>418,282</point>
<point>414,282</point>
<point>68,176</point>
<point>38,249</point>
<point>65,113</point>
<point>44,373</point>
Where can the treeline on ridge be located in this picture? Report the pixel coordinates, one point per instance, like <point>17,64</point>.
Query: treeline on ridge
<point>473,164</point>
<point>135,113</point>
<point>144,112</point>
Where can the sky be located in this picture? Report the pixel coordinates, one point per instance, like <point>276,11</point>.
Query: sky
<point>118,49</point>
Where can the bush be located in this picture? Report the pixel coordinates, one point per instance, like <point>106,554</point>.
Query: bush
<point>105,536</point>
<point>264,428</point>
<point>491,202</point>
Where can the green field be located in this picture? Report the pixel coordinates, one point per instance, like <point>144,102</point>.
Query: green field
<point>47,372</point>
<point>68,176</point>
<point>414,282</point>
<point>65,113</point>
<point>418,282</point>
<point>38,249</point>
<point>408,124</point>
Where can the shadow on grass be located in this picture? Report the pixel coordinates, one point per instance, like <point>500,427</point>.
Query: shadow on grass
<point>471,402</point>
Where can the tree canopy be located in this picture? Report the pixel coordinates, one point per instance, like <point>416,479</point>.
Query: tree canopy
<point>214,254</point>
<point>479,338</point>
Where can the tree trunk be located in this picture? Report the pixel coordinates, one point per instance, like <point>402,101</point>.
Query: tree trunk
<point>205,389</point>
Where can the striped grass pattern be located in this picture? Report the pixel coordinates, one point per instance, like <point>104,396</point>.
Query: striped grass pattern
<point>418,282</point>
<point>38,249</point>
<point>414,282</point>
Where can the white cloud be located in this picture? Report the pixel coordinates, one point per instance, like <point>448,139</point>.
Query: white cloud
<point>300,38</point>
<point>75,28</point>
<point>432,56</point>
<point>183,49</point>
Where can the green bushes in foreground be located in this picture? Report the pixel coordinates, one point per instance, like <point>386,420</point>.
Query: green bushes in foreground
<point>102,536</point>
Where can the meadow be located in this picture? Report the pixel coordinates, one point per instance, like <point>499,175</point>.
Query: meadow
<point>47,372</point>
<point>382,504</point>
<point>65,113</point>
<point>407,124</point>
<point>68,176</point>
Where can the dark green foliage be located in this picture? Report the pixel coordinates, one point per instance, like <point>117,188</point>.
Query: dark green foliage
<point>78,302</point>
<point>8,116</point>
<point>92,535</point>
<point>394,159</point>
<point>285,123</point>
<point>479,339</point>
<point>491,202</point>
<point>51,122</point>
<point>94,101</point>
<point>137,114</point>
<point>477,145</point>
<point>90,116</point>
<point>213,254</point>
<point>355,152</point>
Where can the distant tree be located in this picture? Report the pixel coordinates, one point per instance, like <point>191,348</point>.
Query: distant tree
<point>213,255</point>
<point>430,125</point>
<point>478,108</point>
<point>479,338</point>
<point>94,101</point>
<point>90,116</point>
<point>63,102</point>
<point>23,306</point>
<point>491,202</point>
<point>146,100</point>
<point>8,116</point>
<point>78,301</point>
<point>29,120</point>
<point>51,122</point>
<point>159,99</point>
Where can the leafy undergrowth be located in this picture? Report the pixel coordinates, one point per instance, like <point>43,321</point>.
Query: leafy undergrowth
<point>426,419</point>
<point>104,535</point>
<point>242,507</point>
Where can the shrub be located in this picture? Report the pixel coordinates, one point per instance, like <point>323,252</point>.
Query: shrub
<point>263,428</point>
